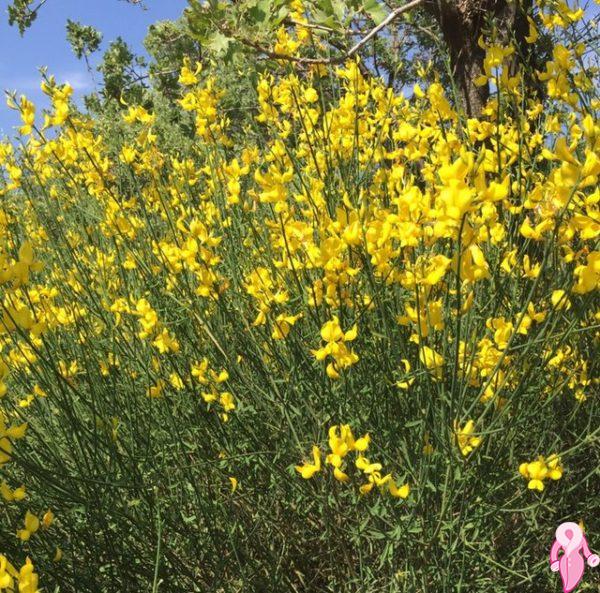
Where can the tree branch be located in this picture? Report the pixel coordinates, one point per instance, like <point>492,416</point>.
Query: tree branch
<point>348,54</point>
<point>392,16</point>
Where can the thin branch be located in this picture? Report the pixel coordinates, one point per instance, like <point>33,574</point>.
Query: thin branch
<point>392,16</point>
<point>33,12</point>
<point>427,32</point>
<point>289,21</point>
<point>42,2</point>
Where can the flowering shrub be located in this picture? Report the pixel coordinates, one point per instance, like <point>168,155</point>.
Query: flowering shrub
<point>179,330</point>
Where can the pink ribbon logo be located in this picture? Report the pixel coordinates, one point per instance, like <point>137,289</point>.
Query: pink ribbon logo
<point>571,541</point>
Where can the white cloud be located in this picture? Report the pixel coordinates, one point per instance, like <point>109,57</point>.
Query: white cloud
<point>80,81</point>
<point>21,85</point>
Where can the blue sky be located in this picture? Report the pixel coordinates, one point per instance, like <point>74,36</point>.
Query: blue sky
<point>45,44</point>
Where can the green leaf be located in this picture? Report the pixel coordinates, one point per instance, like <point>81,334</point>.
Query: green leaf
<point>325,6</point>
<point>199,23</point>
<point>376,10</point>
<point>322,18</point>
<point>328,12</point>
<point>189,520</point>
<point>218,43</point>
<point>260,13</point>
<point>282,13</point>
<point>339,9</point>
<point>413,423</point>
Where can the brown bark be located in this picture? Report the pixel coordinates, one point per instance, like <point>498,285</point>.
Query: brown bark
<point>462,22</point>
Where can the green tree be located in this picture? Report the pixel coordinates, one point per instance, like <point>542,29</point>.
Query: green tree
<point>373,30</point>
<point>84,39</point>
<point>169,43</point>
<point>23,13</point>
<point>120,69</point>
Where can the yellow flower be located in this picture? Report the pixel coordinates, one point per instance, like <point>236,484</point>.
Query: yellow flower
<point>341,442</point>
<point>409,381</point>
<point>28,579</point>
<point>539,470</point>
<point>310,95</point>
<point>533,35</point>
<point>128,155</point>
<point>339,475</point>
<point>308,470</point>
<point>7,573</point>
<point>399,492</point>
<point>464,437</point>
<point>555,470</point>
<point>588,274</point>
<point>188,77</point>
<point>435,270</point>
<point>433,361</point>
<point>27,115</point>
<point>32,524</point>
<point>48,518</point>
<point>283,324</point>
<point>560,300</point>
<point>366,488</point>
<point>366,466</point>
<point>335,346</point>
<point>362,443</point>
<point>502,329</point>
<point>331,331</point>
<point>418,91</point>
<point>166,342</point>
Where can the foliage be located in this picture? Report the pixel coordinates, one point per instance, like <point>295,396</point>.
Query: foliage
<point>347,340</point>
<point>169,43</point>
<point>84,39</point>
<point>226,29</point>
<point>119,73</point>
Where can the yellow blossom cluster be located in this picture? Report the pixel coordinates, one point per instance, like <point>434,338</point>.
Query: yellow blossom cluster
<point>543,468</point>
<point>335,347</point>
<point>465,438</point>
<point>341,443</point>
<point>24,580</point>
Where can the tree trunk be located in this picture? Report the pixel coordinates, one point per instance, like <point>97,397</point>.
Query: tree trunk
<point>462,22</point>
